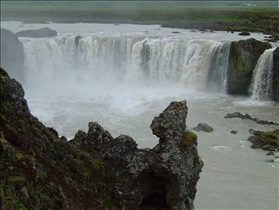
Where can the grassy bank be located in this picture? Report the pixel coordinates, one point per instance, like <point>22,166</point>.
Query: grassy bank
<point>221,15</point>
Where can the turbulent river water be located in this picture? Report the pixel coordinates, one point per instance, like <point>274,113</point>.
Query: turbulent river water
<point>123,75</point>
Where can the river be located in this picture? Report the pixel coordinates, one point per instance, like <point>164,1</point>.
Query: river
<point>121,76</point>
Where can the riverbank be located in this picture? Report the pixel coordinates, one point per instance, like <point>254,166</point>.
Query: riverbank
<point>208,15</point>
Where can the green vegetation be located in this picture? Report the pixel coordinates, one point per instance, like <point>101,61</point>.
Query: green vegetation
<point>147,12</point>
<point>40,170</point>
<point>265,140</point>
<point>187,141</point>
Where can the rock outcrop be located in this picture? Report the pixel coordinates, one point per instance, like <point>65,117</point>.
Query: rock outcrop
<point>41,170</point>
<point>248,117</point>
<point>265,140</point>
<point>164,177</point>
<point>243,58</point>
<point>39,33</point>
<point>12,54</point>
<point>275,85</point>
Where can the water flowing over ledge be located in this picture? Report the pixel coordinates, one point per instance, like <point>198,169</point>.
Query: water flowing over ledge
<point>124,107</point>
<point>128,60</point>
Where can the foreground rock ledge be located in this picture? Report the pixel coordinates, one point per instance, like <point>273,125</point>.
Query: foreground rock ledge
<point>94,170</point>
<point>164,177</point>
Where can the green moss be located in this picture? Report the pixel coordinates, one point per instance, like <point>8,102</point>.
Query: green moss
<point>16,181</point>
<point>79,136</point>
<point>107,135</point>
<point>187,141</point>
<point>177,105</point>
<point>96,165</point>
<point>272,137</point>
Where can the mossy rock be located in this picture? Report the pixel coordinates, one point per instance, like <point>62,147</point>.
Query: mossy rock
<point>243,58</point>
<point>187,141</point>
<point>265,140</point>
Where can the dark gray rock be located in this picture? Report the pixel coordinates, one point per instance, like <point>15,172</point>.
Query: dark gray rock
<point>251,131</point>
<point>265,140</point>
<point>13,94</point>
<point>205,127</point>
<point>40,33</point>
<point>164,177</point>
<point>77,38</point>
<point>12,56</point>
<point>248,117</point>
<point>233,132</point>
<point>270,153</point>
<point>243,58</point>
<point>244,34</point>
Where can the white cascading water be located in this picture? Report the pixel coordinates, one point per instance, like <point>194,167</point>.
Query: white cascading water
<point>197,64</point>
<point>261,86</point>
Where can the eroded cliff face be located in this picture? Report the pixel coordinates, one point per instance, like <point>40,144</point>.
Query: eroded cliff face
<point>243,59</point>
<point>275,85</point>
<point>12,56</point>
<point>41,170</point>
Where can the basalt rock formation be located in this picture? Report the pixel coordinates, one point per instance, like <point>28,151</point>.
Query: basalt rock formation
<point>243,59</point>
<point>39,33</point>
<point>40,170</point>
<point>275,85</point>
<point>12,54</point>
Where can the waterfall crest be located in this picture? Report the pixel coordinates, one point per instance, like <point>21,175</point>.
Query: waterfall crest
<point>261,85</point>
<point>134,60</point>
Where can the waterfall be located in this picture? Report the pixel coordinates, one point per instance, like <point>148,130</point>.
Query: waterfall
<point>134,60</point>
<point>261,85</point>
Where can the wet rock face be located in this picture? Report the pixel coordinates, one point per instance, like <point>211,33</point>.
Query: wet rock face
<point>12,55</point>
<point>275,85</point>
<point>13,94</point>
<point>164,177</point>
<point>243,58</point>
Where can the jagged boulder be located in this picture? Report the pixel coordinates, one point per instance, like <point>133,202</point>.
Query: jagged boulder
<point>275,85</point>
<point>243,59</point>
<point>163,177</point>
<point>12,56</point>
<point>39,33</point>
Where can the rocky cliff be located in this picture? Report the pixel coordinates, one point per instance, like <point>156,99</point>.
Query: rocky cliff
<point>41,170</point>
<point>12,54</point>
<point>275,85</point>
<point>243,59</point>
